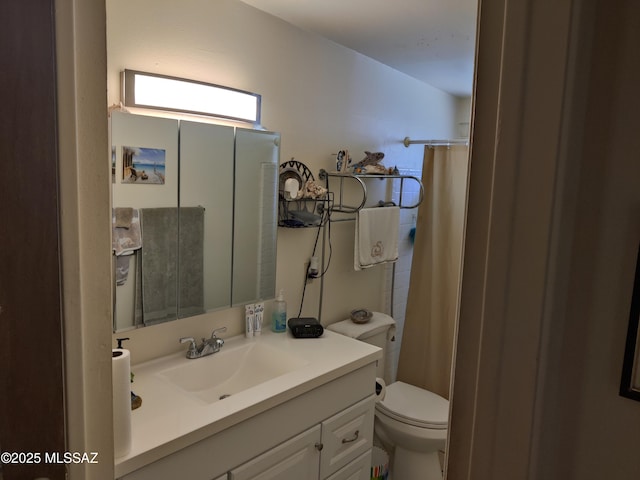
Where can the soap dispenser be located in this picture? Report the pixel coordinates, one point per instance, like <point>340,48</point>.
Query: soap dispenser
<point>279,315</point>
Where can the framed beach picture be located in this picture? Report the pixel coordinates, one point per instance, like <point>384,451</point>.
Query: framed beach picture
<point>143,165</point>
<point>630,384</point>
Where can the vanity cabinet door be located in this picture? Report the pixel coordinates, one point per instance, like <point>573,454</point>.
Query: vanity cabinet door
<point>359,469</point>
<point>295,459</point>
<point>346,436</point>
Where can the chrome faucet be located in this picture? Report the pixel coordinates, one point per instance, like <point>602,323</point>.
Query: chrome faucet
<point>207,347</point>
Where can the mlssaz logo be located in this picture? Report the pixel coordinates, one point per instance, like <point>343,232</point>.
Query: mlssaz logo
<point>71,457</point>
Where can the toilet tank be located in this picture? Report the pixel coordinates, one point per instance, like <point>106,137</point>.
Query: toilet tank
<point>379,340</point>
<point>380,331</point>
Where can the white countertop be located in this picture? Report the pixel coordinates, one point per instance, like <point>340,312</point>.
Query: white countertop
<point>171,419</point>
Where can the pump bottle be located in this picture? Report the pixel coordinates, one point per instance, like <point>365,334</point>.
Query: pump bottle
<point>279,315</point>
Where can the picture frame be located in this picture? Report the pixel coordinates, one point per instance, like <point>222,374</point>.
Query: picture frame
<point>143,165</point>
<point>630,382</point>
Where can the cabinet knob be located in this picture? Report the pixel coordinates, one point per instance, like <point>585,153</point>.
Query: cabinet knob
<point>319,446</point>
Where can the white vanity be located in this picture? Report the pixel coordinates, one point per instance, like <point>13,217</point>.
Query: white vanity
<point>272,407</point>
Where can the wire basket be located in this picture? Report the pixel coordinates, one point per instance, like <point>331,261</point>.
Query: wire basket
<point>379,464</point>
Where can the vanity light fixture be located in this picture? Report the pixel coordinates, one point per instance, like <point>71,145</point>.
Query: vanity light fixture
<point>150,90</point>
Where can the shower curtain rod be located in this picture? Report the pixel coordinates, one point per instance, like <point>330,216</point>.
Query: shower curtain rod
<point>435,143</point>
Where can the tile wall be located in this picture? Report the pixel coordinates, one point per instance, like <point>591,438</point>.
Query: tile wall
<point>397,283</point>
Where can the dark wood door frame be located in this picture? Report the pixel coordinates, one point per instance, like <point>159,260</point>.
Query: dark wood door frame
<point>32,415</point>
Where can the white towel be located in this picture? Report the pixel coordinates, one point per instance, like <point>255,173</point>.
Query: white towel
<point>125,240</point>
<point>376,236</point>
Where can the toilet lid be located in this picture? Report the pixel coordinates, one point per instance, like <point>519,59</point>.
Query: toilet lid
<point>415,406</point>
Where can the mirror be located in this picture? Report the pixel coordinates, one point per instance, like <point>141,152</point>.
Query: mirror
<point>256,205</point>
<point>135,142</point>
<point>206,179</point>
<point>177,208</point>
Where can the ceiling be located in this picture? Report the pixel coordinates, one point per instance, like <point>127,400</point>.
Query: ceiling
<point>431,40</point>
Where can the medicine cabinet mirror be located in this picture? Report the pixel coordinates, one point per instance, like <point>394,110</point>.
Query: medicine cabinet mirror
<point>194,217</point>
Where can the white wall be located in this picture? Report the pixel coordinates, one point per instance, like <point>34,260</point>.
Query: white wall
<point>84,233</point>
<point>319,95</point>
<point>463,117</point>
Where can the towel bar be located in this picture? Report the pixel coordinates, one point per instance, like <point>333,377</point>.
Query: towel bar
<point>339,204</point>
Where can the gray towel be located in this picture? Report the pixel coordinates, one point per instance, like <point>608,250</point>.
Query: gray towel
<point>191,262</point>
<point>164,261</point>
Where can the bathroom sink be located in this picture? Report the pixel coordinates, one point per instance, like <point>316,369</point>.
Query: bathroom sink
<point>232,370</point>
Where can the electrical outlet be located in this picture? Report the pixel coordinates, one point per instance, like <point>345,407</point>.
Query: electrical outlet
<point>312,269</point>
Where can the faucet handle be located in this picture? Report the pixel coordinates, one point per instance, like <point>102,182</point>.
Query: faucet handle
<point>221,329</point>
<point>193,348</point>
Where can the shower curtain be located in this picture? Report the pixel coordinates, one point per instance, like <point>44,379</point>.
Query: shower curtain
<point>428,335</point>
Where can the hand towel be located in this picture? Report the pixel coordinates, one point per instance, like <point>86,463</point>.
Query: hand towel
<point>124,217</point>
<point>122,268</point>
<point>376,239</point>
<point>125,240</point>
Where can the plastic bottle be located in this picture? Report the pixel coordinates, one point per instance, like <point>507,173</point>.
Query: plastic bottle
<point>279,315</point>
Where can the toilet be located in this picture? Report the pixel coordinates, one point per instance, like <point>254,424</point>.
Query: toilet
<point>410,420</point>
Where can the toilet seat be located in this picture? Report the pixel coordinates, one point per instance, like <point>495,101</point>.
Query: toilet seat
<point>415,406</point>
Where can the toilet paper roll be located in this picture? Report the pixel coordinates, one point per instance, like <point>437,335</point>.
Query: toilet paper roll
<point>381,389</point>
<point>121,379</point>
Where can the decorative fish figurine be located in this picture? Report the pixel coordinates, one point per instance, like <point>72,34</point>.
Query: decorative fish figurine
<point>371,159</point>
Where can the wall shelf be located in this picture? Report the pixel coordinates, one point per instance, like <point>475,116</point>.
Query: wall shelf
<point>340,205</point>
<point>304,212</point>
<point>300,212</point>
